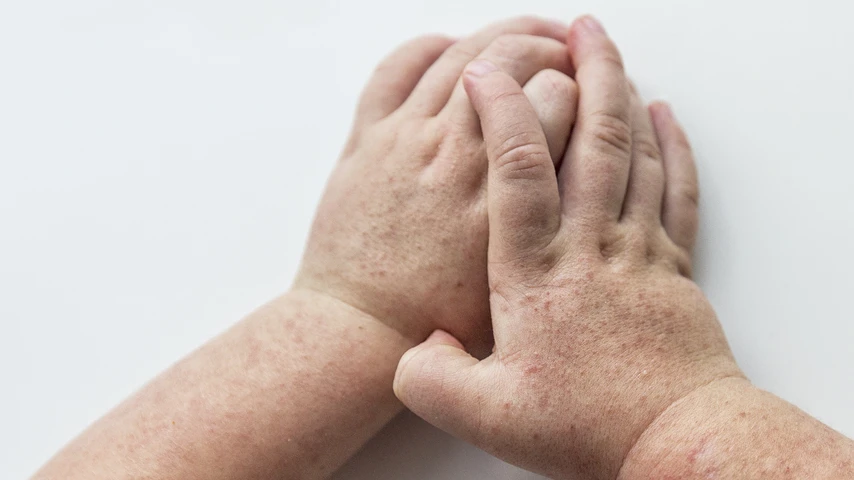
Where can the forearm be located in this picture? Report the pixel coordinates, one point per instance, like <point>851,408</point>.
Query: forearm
<point>290,392</point>
<point>731,429</point>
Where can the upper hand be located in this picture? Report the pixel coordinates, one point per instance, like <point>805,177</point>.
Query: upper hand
<point>401,232</point>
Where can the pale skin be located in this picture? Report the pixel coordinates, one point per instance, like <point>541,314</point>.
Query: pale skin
<point>584,273</point>
<point>397,250</point>
<point>609,362</point>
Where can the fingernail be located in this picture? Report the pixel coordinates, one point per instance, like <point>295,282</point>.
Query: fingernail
<point>479,68</point>
<point>592,25</point>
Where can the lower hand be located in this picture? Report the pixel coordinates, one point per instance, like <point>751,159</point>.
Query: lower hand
<point>598,327</point>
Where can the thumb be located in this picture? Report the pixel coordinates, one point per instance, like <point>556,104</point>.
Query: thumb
<point>522,191</point>
<point>440,383</point>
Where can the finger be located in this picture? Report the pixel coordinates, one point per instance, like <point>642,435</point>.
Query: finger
<point>679,213</point>
<point>440,382</point>
<point>554,97</point>
<point>595,172</point>
<point>522,195</point>
<point>521,57</point>
<point>433,91</point>
<point>396,76</point>
<point>646,178</point>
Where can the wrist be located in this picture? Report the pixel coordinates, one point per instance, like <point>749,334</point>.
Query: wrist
<point>395,311</point>
<point>332,368</point>
<point>732,429</point>
<point>329,314</point>
<point>679,433</point>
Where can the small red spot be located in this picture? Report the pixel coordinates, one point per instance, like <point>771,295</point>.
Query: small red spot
<point>692,455</point>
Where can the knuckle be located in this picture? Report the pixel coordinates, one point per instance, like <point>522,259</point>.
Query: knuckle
<point>462,52</point>
<point>647,146</point>
<point>524,23</point>
<point>610,56</point>
<point>682,231</point>
<point>511,46</point>
<point>672,258</point>
<point>678,259</point>
<point>611,133</point>
<point>521,154</point>
<point>686,194</point>
<point>555,86</point>
<point>505,96</point>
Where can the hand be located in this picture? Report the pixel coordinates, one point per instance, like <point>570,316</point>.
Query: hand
<point>401,232</point>
<point>598,327</point>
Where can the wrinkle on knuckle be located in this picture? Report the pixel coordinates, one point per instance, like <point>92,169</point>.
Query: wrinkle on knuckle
<point>611,57</point>
<point>646,146</point>
<point>521,152</point>
<point>462,52</point>
<point>501,97</point>
<point>686,194</point>
<point>610,132</point>
<point>524,160</point>
<point>511,46</point>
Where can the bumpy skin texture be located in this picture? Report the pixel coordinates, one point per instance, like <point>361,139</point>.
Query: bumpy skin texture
<point>398,249</point>
<point>401,232</point>
<point>598,327</point>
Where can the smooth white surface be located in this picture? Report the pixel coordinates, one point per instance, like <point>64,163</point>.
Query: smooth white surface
<point>160,162</point>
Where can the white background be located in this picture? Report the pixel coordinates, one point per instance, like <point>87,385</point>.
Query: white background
<point>160,162</point>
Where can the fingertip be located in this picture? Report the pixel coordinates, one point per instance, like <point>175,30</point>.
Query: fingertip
<point>473,72</point>
<point>661,112</point>
<point>479,68</point>
<point>583,28</point>
<point>436,339</point>
<point>402,367</point>
<point>589,24</point>
<point>441,337</point>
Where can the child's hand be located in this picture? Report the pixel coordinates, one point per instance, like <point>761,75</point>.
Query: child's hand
<point>598,327</point>
<point>401,232</point>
